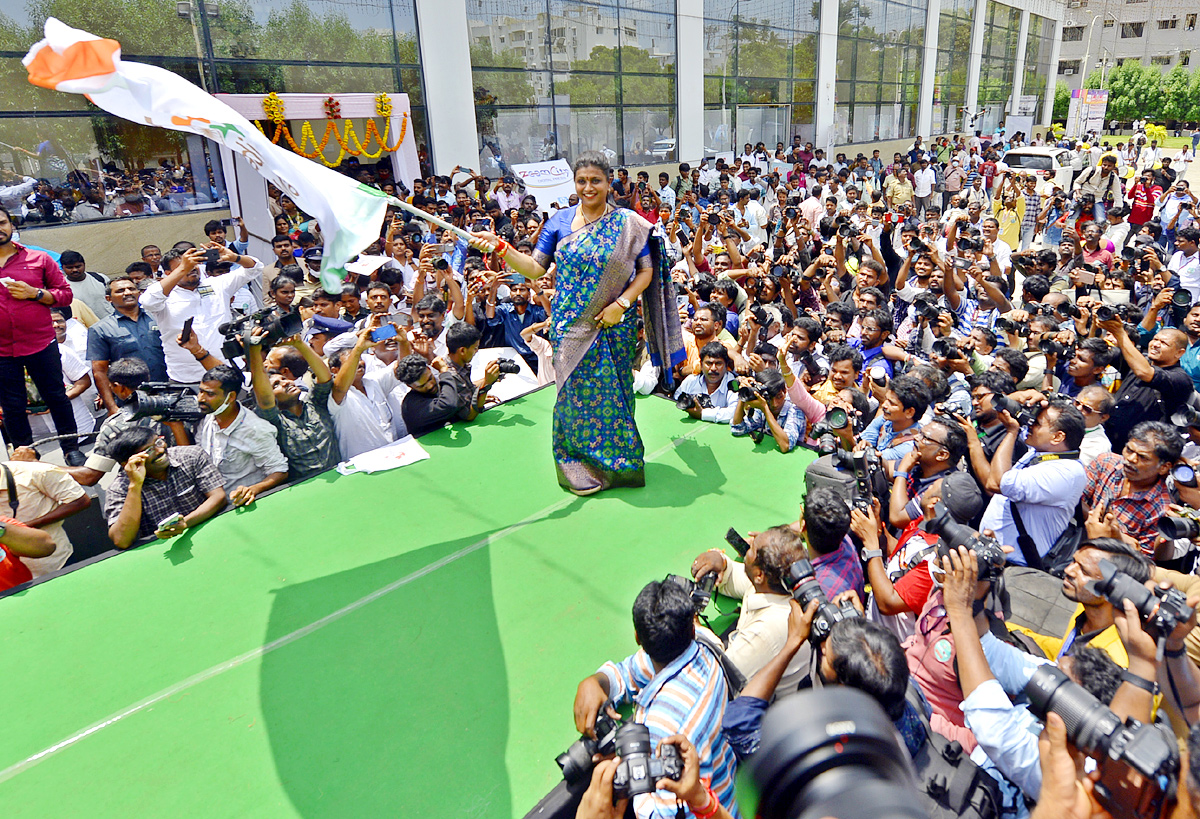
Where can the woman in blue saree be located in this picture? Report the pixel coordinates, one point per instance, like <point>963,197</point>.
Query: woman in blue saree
<point>605,258</point>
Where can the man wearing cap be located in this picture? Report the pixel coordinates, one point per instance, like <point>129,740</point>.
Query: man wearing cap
<point>323,330</point>
<point>187,293</point>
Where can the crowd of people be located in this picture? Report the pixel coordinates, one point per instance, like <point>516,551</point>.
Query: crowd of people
<point>1014,355</point>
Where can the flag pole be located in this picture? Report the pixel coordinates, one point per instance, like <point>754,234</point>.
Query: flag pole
<point>429,217</point>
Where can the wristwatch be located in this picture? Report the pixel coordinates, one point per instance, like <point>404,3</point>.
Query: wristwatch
<point>624,302</point>
<point>39,295</point>
<point>868,554</point>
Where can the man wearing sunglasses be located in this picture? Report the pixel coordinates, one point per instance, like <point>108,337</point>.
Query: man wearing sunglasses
<point>1095,403</point>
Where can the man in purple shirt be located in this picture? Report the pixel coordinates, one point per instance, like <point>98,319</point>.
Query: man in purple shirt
<point>825,527</point>
<point>32,284</point>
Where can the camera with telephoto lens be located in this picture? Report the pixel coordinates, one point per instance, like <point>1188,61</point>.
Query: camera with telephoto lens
<point>1117,747</point>
<point>812,366</point>
<point>847,231</point>
<point>988,553</point>
<point>1181,303</point>
<point>945,348</point>
<point>801,581</point>
<point>508,366</point>
<point>270,327</point>
<point>1106,312</point>
<point>823,431</point>
<point>576,761</point>
<point>700,589</point>
<point>639,769</point>
<point>1068,310</point>
<point>925,308</point>
<point>155,399</point>
<point>970,243</point>
<point>829,752</point>
<point>1161,610</point>
<point>1023,415</point>
<point>761,317</point>
<point>1050,346</point>
<point>1018,328</point>
<point>1188,415</point>
<point>1185,525</point>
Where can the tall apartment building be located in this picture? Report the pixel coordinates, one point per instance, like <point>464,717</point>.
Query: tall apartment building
<point>1105,33</point>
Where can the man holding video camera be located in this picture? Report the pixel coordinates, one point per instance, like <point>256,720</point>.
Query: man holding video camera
<point>1035,498</point>
<point>706,395</point>
<point>677,686</point>
<point>187,294</point>
<point>762,407</point>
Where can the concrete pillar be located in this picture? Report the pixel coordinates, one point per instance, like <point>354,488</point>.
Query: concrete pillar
<point>1019,73</point>
<point>689,80</point>
<point>827,68</point>
<point>446,67</point>
<point>1052,80</point>
<point>971,102</point>
<point>928,70</point>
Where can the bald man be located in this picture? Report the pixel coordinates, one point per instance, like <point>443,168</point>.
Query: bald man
<point>1155,384</point>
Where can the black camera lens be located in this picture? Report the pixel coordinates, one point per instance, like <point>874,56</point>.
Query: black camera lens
<point>1184,475</point>
<point>639,770</point>
<point>829,752</point>
<point>1089,722</point>
<point>1175,528</point>
<point>1106,312</point>
<point>837,418</point>
<point>508,366</point>
<point>989,555</point>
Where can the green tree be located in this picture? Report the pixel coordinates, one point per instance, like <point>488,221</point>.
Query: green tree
<point>1062,100</point>
<point>1176,93</point>
<point>1193,113</point>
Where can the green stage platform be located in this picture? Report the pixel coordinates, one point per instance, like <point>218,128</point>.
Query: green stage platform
<point>399,644</point>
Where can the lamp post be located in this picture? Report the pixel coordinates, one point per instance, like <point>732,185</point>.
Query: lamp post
<point>1087,54</point>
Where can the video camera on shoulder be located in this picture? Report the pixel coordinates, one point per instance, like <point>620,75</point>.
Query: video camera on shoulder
<point>1118,748</point>
<point>801,581</point>
<point>952,534</point>
<point>157,399</point>
<point>273,329</point>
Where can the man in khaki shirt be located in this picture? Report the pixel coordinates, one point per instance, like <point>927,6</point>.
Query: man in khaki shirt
<point>46,495</point>
<point>899,189</point>
<point>758,582</point>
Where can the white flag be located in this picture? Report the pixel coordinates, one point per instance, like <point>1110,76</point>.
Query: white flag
<point>76,62</point>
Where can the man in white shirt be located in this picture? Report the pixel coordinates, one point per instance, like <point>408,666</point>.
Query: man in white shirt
<point>186,293</point>
<point>1096,404</point>
<point>924,179</point>
<point>665,192</point>
<point>1183,158</point>
<point>1185,263</point>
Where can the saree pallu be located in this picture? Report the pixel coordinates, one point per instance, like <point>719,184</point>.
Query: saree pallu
<point>596,441</point>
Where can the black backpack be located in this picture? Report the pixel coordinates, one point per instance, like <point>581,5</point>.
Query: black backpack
<point>949,784</point>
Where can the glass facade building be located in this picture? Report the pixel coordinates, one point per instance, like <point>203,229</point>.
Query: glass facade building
<point>550,78</point>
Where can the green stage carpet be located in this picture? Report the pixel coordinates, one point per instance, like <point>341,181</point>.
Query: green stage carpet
<point>399,644</point>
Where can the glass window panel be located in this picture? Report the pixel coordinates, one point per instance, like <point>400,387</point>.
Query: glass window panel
<point>643,128</point>
<point>763,52</point>
<point>410,83</point>
<point>720,90</point>
<point>324,30</point>
<point>762,90</point>
<point>841,124</point>
<point>803,122</point>
<point>520,134</point>
<point>589,129</point>
<point>591,35</point>
<point>718,129</point>
<point>866,123</point>
<point>661,6</point>
<point>804,56</point>
<point>843,91</point>
<point>868,66</point>
<point>646,90</point>
<point>260,78</point>
<point>767,124</point>
<point>647,42</point>
<point>587,88</point>
<point>720,48</point>
<point>803,92</point>
<point>509,33</point>
<point>510,87</point>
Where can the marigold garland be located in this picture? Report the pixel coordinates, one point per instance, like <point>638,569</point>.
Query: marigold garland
<point>273,107</point>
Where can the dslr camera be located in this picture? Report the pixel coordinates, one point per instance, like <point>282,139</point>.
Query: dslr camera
<point>1025,416</point>
<point>1106,312</point>
<point>925,308</point>
<point>700,589</point>
<point>1020,328</point>
<point>507,366</point>
<point>946,348</point>
<point>1050,346</point>
<point>1117,747</point>
<point>801,581</point>
<point>1185,525</point>
<point>273,329</point>
<point>687,401</point>
<point>971,243</point>
<point>164,400</point>
<point>576,761</point>
<point>988,553</point>
<point>868,474</point>
<point>1161,609</point>
<point>836,418</point>
<point>639,770</point>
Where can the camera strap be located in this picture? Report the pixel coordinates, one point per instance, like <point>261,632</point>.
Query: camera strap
<point>1028,548</point>
<point>10,484</point>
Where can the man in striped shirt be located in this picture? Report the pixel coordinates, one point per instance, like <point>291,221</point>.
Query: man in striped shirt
<point>678,687</point>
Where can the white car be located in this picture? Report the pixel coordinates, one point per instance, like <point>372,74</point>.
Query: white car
<point>663,148</point>
<point>1055,164</point>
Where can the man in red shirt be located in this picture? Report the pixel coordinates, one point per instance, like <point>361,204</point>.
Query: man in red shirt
<point>32,284</point>
<point>1144,195</point>
<point>16,541</point>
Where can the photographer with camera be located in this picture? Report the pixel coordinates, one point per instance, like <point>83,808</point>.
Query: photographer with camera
<point>161,491</point>
<point>1035,498</point>
<point>243,447</point>
<point>301,417</point>
<point>762,407</point>
<point>1154,383</point>
<point>1128,493</point>
<point>186,292</point>
<point>129,331</point>
<point>677,686</point>
<point>462,341</point>
<point>434,397</point>
<point>759,583</point>
<point>706,395</point>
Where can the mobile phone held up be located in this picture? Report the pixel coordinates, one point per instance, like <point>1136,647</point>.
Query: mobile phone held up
<point>383,333</point>
<point>738,543</point>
